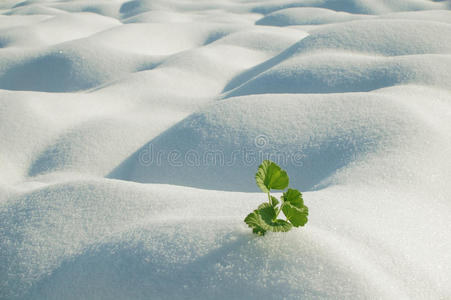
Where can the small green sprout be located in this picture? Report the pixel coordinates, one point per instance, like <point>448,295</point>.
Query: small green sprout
<point>270,176</point>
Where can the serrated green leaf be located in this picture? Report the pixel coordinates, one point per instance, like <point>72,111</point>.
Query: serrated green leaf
<point>262,220</point>
<point>274,201</point>
<point>254,220</point>
<point>280,226</point>
<point>271,176</point>
<point>297,216</point>
<point>294,197</point>
<point>267,212</point>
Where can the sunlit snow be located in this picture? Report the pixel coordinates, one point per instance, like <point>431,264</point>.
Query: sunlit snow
<point>130,133</point>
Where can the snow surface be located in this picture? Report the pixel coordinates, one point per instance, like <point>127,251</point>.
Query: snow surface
<point>131,130</point>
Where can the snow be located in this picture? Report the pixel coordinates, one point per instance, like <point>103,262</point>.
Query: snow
<point>131,131</point>
<point>306,16</point>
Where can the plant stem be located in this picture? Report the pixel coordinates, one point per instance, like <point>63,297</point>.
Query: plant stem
<point>278,210</point>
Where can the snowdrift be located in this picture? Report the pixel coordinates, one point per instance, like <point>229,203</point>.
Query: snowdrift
<point>131,131</point>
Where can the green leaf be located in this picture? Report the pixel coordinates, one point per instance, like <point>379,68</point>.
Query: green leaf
<point>294,197</point>
<point>271,176</point>
<point>267,212</point>
<point>297,216</point>
<point>262,220</point>
<point>254,220</point>
<point>280,226</point>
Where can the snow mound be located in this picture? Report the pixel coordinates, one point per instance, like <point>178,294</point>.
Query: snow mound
<point>67,67</point>
<point>335,72</point>
<point>383,37</point>
<point>88,148</point>
<point>20,21</point>
<point>221,147</point>
<point>428,15</point>
<point>159,16</point>
<point>56,29</point>
<point>369,37</point>
<point>151,38</point>
<point>268,40</point>
<point>80,239</point>
<point>352,6</point>
<point>306,16</point>
<point>55,135</point>
<point>131,131</point>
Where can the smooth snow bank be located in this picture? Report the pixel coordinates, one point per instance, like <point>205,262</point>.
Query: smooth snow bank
<point>384,37</point>
<point>67,67</point>
<point>72,135</point>
<point>371,38</point>
<point>221,147</point>
<point>353,6</point>
<point>306,16</point>
<point>129,37</point>
<point>54,30</point>
<point>428,15</point>
<point>131,132</point>
<point>102,239</point>
<point>345,72</point>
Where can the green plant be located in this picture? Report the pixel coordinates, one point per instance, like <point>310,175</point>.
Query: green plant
<point>271,177</point>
